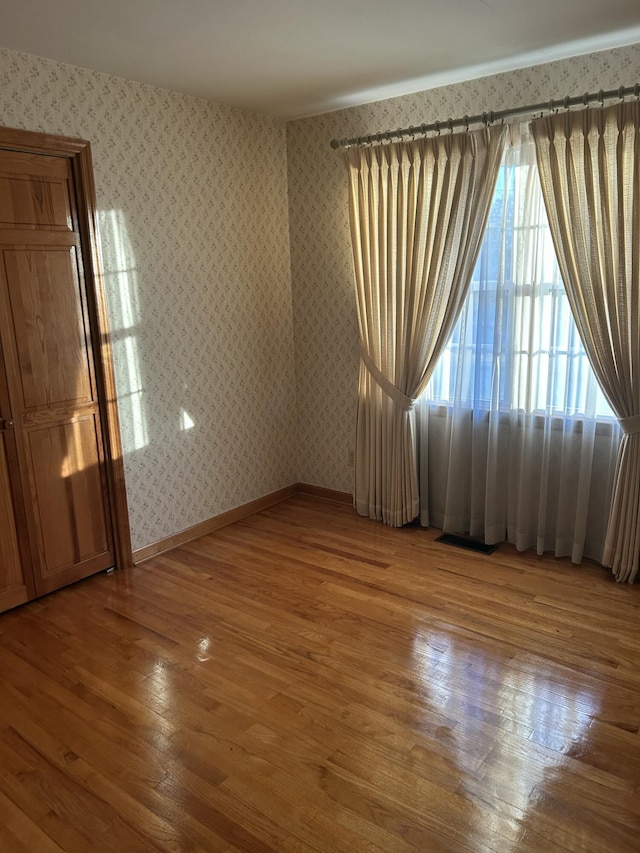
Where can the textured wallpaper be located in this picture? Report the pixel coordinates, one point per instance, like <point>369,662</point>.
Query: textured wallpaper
<point>193,216</point>
<point>325,326</point>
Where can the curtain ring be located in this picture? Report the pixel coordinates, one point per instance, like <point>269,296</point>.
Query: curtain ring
<point>436,127</point>
<point>465,121</point>
<point>601,97</point>
<point>585,99</point>
<point>621,93</point>
<point>636,90</point>
<point>450,125</point>
<point>566,103</point>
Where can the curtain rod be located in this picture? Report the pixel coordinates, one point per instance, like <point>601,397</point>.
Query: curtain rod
<point>490,117</point>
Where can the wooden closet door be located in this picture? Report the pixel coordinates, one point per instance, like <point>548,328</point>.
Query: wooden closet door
<point>46,338</point>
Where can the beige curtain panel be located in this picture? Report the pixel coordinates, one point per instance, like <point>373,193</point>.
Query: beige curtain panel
<point>589,163</point>
<point>418,211</point>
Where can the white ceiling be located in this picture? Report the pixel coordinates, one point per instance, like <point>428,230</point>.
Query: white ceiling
<point>293,58</point>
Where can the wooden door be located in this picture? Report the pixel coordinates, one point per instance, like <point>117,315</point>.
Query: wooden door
<point>51,372</point>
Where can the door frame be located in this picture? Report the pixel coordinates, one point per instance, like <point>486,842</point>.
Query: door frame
<point>78,151</point>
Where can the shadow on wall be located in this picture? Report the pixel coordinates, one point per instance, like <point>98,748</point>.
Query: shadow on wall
<point>125,329</point>
<point>155,403</point>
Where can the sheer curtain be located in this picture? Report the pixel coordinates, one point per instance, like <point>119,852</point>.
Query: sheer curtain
<point>590,170</point>
<point>417,212</point>
<point>517,441</point>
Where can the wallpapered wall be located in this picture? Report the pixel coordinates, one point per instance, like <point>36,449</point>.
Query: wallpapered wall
<point>325,325</point>
<point>196,238</point>
<point>193,217</point>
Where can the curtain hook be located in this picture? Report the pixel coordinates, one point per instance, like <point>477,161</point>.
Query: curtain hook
<point>585,99</point>
<point>601,97</point>
<point>566,103</point>
<point>436,127</point>
<point>636,91</point>
<point>466,123</point>
<point>621,93</point>
<point>450,125</point>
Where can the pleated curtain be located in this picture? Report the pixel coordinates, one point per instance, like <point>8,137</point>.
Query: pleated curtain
<point>516,441</point>
<point>418,211</point>
<point>589,164</point>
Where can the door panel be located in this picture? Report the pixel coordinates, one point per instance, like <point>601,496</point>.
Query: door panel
<point>49,327</point>
<point>13,589</point>
<point>16,581</point>
<point>10,565</point>
<point>34,191</point>
<point>65,472</point>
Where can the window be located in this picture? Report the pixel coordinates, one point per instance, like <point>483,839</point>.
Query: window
<point>516,345</point>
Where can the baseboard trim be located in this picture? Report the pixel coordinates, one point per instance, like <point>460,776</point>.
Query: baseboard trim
<point>326,494</point>
<point>215,523</point>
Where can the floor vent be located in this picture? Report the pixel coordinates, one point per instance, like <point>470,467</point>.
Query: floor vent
<point>466,542</point>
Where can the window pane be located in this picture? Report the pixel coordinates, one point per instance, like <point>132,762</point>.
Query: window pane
<point>516,344</point>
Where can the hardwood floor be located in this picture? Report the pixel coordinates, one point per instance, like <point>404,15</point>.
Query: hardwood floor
<point>307,680</point>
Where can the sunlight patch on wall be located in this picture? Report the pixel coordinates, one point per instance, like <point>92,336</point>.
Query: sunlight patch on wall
<point>186,421</point>
<point>120,276</point>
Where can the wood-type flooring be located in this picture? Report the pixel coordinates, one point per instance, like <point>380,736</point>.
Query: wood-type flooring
<point>308,680</point>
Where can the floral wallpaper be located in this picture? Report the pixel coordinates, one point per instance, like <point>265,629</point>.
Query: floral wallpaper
<point>194,227</point>
<point>325,326</point>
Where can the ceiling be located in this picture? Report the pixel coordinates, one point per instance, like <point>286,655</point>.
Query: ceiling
<point>292,58</point>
